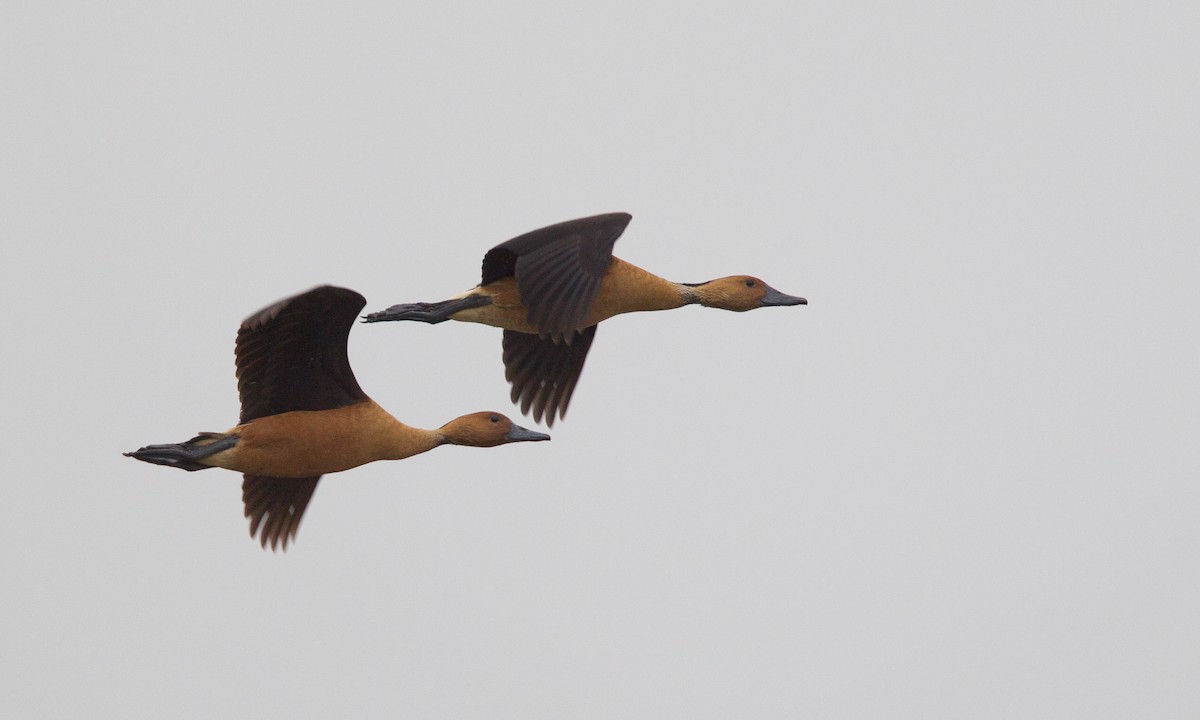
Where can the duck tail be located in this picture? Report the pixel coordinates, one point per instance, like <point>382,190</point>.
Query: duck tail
<point>186,455</point>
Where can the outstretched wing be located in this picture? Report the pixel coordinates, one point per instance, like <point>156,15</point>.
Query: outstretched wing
<point>543,372</point>
<point>292,355</point>
<point>276,505</point>
<point>558,269</point>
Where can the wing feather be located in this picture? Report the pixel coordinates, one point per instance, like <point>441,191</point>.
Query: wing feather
<point>558,269</point>
<point>292,355</point>
<point>276,505</point>
<point>544,372</point>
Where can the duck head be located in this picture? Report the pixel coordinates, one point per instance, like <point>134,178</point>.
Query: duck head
<point>487,429</point>
<point>740,293</point>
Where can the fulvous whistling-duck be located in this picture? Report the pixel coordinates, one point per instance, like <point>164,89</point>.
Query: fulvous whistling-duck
<point>304,415</point>
<point>549,288</point>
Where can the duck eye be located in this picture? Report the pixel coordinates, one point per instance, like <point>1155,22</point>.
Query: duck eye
<point>495,418</point>
<point>750,283</point>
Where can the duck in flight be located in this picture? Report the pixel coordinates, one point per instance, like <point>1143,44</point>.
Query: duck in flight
<point>304,415</point>
<point>548,289</point>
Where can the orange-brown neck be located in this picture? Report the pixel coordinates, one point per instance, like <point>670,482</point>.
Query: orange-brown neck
<point>398,441</point>
<point>713,294</point>
<point>627,288</point>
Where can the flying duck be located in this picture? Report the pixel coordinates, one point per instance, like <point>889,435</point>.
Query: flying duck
<point>549,288</point>
<point>304,415</point>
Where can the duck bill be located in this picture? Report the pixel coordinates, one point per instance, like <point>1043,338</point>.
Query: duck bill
<point>520,434</point>
<point>773,297</point>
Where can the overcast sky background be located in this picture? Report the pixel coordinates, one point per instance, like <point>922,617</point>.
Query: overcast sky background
<point>962,482</point>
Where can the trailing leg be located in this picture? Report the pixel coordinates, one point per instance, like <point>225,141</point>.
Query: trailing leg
<point>186,455</point>
<point>431,313</point>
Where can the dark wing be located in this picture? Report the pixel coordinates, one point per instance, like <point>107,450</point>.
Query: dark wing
<point>558,269</point>
<point>292,355</point>
<point>276,504</point>
<point>543,372</point>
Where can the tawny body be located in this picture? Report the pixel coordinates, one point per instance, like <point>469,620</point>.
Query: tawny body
<point>306,443</point>
<point>625,288</point>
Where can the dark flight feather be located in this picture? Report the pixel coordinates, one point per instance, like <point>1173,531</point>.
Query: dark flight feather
<point>276,505</point>
<point>558,269</point>
<point>543,372</point>
<point>292,355</point>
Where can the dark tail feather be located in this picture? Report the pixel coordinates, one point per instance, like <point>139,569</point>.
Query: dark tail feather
<point>185,455</point>
<point>431,313</point>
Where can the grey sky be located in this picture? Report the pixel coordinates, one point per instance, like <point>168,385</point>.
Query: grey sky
<point>962,482</point>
